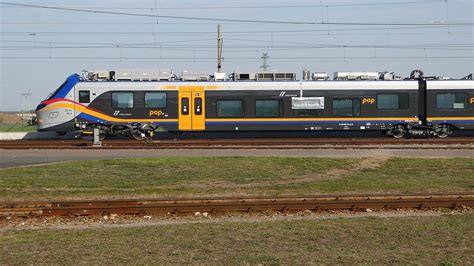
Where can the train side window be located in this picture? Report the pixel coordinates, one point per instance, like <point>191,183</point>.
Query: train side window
<point>268,108</point>
<point>346,107</point>
<point>457,100</point>
<point>155,99</point>
<point>392,101</point>
<point>198,106</point>
<point>84,96</point>
<point>122,99</point>
<point>185,106</point>
<point>230,108</point>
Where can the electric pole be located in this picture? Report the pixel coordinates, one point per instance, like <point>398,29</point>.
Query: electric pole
<point>264,65</point>
<point>219,49</point>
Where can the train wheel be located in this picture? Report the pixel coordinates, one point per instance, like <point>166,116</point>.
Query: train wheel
<point>138,135</point>
<point>103,132</point>
<point>398,131</point>
<point>103,135</point>
<point>442,131</point>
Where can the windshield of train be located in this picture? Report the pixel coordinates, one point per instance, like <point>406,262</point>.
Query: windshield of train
<point>51,95</point>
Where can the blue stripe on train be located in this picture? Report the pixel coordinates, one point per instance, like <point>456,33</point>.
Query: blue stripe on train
<point>452,121</point>
<point>165,123</point>
<point>96,119</point>
<point>363,122</point>
<point>92,118</point>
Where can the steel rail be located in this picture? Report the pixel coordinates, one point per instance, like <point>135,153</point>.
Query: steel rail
<point>279,143</point>
<point>235,204</point>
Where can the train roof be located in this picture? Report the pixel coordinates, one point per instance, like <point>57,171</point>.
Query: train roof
<point>450,84</point>
<point>157,75</point>
<point>254,86</point>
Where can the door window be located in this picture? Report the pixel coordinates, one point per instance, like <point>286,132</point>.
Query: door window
<point>198,106</point>
<point>185,106</point>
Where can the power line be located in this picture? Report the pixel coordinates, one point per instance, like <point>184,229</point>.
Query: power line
<point>288,59</point>
<point>210,32</point>
<point>106,43</point>
<point>246,48</point>
<point>254,7</point>
<point>237,20</point>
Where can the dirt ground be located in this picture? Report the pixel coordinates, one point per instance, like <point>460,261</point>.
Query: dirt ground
<point>9,117</point>
<point>126,221</point>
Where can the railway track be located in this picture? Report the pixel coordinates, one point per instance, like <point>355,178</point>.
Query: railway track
<point>277,143</point>
<point>235,204</point>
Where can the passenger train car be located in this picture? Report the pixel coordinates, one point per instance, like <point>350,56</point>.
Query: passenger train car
<point>276,102</point>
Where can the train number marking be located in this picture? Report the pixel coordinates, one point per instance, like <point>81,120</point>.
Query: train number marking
<point>368,100</point>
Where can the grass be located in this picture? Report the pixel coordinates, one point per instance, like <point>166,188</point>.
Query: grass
<point>444,239</point>
<point>406,176</point>
<point>171,175</point>
<point>191,176</point>
<point>16,128</point>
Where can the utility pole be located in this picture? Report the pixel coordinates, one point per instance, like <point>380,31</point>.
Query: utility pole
<point>264,65</point>
<point>219,49</point>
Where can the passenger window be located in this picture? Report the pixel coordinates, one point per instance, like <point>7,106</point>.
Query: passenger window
<point>84,96</point>
<point>122,99</point>
<point>346,107</point>
<point>457,100</point>
<point>185,106</point>
<point>230,108</point>
<point>392,101</point>
<point>155,99</point>
<point>268,108</point>
<point>198,106</point>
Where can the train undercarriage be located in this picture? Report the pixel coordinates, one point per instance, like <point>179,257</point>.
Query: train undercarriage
<point>403,131</point>
<point>145,131</point>
<point>137,131</point>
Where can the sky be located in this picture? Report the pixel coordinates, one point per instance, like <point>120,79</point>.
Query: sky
<point>40,47</point>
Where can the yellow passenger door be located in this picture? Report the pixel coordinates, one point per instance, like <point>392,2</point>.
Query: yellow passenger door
<point>191,105</point>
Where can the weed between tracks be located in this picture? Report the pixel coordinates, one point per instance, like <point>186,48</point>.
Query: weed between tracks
<point>181,176</point>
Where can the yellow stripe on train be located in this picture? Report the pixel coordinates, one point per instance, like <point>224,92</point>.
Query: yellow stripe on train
<point>102,116</point>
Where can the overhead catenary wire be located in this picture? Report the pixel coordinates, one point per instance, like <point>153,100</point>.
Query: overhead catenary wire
<point>237,20</point>
<point>244,58</point>
<point>148,33</point>
<point>255,7</point>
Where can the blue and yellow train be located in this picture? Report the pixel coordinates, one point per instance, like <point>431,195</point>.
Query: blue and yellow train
<point>140,102</point>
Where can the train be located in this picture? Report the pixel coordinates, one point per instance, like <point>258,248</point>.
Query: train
<point>141,103</point>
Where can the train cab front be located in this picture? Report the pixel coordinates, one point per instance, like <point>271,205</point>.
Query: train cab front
<point>56,112</point>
